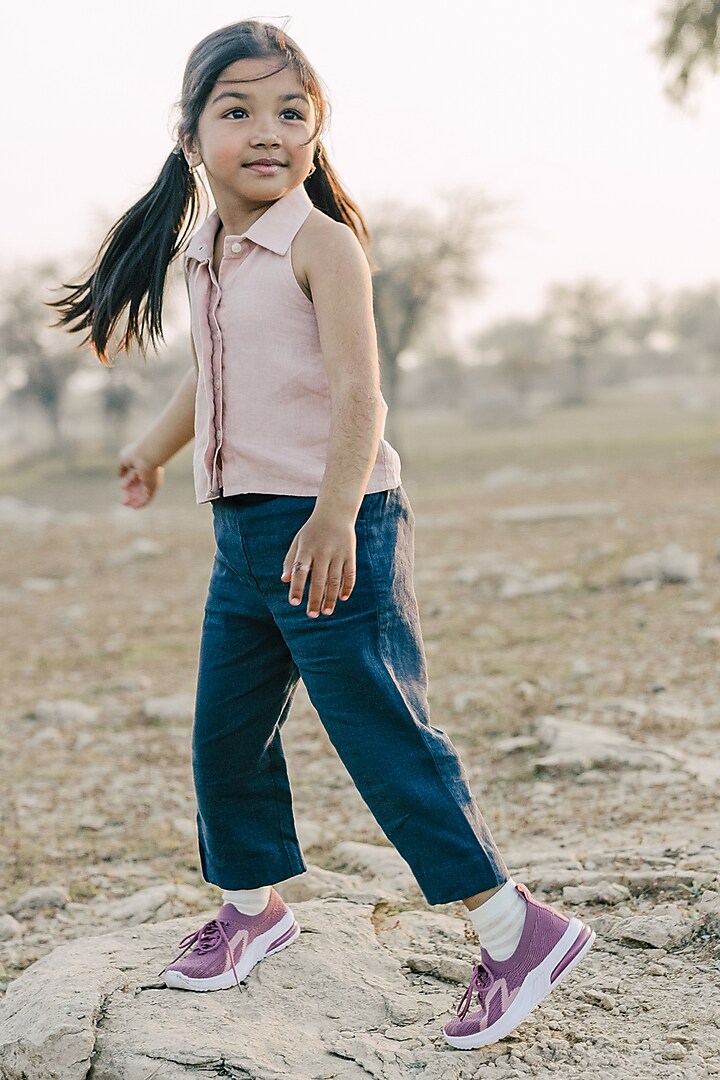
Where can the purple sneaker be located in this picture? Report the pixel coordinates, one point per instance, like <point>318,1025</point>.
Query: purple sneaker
<point>507,990</point>
<point>228,947</point>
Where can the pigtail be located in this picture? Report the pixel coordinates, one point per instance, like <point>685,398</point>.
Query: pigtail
<point>131,267</point>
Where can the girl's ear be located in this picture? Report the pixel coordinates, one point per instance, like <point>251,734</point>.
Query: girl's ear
<point>192,155</point>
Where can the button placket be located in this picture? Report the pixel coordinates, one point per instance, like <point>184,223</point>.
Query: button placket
<point>215,370</point>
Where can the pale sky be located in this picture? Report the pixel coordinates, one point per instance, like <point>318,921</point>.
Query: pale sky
<point>554,105</point>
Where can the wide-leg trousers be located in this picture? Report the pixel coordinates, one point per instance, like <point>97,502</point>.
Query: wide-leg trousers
<point>364,668</point>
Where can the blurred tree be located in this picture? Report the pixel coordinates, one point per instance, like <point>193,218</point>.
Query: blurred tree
<point>520,347</point>
<point>36,363</point>
<point>690,41</point>
<point>694,320</point>
<point>425,265</point>
<point>581,316</point>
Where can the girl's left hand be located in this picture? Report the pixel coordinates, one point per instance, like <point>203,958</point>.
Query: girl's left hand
<point>325,546</point>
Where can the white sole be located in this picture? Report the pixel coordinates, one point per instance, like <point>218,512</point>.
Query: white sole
<point>536,987</point>
<point>256,951</point>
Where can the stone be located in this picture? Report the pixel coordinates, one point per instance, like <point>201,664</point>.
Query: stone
<point>142,547</point>
<point>153,903</point>
<point>63,711</point>
<point>557,512</point>
<point>441,967</point>
<point>661,931</point>
<point>99,1003</point>
<point>9,928</point>
<point>672,564</point>
<point>602,892</point>
<point>317,883</point>
<point>532,586</point>
<point>174,707</point>
<point>383,862</point>
<point>41,898</point>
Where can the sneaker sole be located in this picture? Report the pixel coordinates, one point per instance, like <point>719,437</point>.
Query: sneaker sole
<point>567,954</point>
<point>280,935</point>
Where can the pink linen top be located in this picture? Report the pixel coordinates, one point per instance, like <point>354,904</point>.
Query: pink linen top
<point>262,408</point>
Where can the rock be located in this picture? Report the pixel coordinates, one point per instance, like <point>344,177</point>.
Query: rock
<point>39,584</point>
<point>709,909</point>
<point>154,903</point>
<point>678,565</point>
<point>317,883</point>
<point>42,898</point>
<point>9,928</point>
<point>63,711</point>
<point>672,564</point>
<point>142,547</point>
<point>383,862</point>
<point>511,475</point>
<point>580,665</point>
<point>602,892</point>
<point>175,707</point>
<point>487,565</point>
<point>532,586</point>
<point>515,743</point>
<point>558,512</point>
<point>441,967</point>
<point>311,833</point>
<point>663,931</point>
<point>92,822</point>
<point>185,827</point>
<point>99,1002</point>
<point>575,747</point>
<point>674,1052</point>
<point>21,514</point>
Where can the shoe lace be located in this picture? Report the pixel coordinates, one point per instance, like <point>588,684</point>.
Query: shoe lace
<point>482,979</point>
<point>207,937</point>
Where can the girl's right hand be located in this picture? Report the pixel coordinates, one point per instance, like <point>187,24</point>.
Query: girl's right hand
<point>141,480</point>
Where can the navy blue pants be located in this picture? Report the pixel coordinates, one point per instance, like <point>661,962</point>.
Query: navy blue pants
<point>365,673</point>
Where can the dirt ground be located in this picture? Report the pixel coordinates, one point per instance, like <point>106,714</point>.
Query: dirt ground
<point>103,605</point>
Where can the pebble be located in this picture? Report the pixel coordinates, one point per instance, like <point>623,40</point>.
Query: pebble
<point>40,899</point>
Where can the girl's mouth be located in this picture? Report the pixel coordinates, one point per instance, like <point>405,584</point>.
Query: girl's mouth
<point>265,168</point>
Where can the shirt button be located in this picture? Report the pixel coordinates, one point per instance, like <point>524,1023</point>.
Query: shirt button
<point>218,432</point>
<point>236,247</point>
<point>217,384</point>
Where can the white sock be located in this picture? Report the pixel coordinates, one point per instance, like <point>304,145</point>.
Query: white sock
<point>248,901</point>
<point>500,921</point>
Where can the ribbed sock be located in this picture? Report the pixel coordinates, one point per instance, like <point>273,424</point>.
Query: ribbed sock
<point>500,921</point>
<point>248,901</point>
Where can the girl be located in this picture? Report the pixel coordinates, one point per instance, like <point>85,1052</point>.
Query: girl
<point>285,406</point>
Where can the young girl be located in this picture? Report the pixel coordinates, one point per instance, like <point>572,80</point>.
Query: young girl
<point>285,405</point>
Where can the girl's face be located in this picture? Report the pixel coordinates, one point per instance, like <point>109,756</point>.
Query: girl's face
<point>242,122</point>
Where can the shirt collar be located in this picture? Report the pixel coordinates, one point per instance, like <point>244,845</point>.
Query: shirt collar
<point>274,229</point>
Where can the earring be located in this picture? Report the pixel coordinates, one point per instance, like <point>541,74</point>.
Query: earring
<point>312,169</point>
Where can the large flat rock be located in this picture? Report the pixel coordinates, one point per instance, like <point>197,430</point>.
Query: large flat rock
<point>333,1004</point>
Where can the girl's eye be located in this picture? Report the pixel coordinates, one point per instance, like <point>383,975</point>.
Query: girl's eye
<point>239,110</point>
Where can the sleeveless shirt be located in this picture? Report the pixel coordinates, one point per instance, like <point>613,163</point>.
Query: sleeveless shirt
<point>262,406</point>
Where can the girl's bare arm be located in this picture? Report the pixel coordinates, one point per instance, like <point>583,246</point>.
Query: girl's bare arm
<point>140,464</point>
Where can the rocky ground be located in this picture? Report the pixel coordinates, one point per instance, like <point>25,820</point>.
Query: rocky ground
<point>569,587</point>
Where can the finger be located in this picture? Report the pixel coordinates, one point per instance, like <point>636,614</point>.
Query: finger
<point>300,571</point>
<point>348,582</point>
<point>332,587</point>
<point>317,589</point>
<point>288,561</point>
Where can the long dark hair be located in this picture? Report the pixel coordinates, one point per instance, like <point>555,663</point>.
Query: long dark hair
<point>131,267</point>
